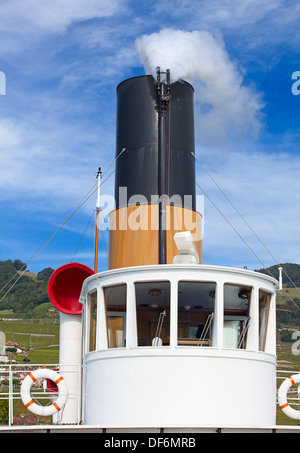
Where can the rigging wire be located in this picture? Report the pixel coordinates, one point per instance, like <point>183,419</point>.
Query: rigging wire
<point>32,259</point>
<point>234,229</point>
<point>242,217</point>
<point>247,245</point>
<point>86,197</point>
<point>83,234</point>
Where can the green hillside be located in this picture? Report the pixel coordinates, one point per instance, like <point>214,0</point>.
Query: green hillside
<point>29,297</point>
<point>29,291</point>
<point>288,300</point>
<point>292,270</point>
<point>26,318</point>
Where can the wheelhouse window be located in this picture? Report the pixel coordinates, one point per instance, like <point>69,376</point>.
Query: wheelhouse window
<point>236,315</point>
<point>92,321</point>
<point>196,304</point>
<point>115,305</point>
<point>264,309</point>
<point>153,313</point>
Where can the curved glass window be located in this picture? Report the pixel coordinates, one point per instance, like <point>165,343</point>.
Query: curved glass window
<point>115,305</point>
<point>153,313</point>
<point>196,305</point>
<point>236,315</point>
<point>264,309</point>
<point>92,321</point>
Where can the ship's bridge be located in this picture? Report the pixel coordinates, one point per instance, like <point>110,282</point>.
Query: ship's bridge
<point>175,305</point>
<point>179,333</point>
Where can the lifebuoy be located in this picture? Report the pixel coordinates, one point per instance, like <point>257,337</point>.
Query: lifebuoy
<point>57,405</point>
<point>282,397</point>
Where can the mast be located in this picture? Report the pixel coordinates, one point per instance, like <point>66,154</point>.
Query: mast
<point>163,89</point>
<point>99,175</point>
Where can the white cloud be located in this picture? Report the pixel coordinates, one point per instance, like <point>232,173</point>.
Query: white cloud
<point>41,167</point>
<point>9,134</point>
<point>227,107</point>
<point>236,16</point>
<point>53,15</point>
<point>234,13</point>
<point>59,112</point>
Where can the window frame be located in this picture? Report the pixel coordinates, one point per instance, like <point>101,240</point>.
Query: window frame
<point>211,325</point>
<point>87,322</point>
<point>262,342</point>
<point>245,318</point>
<point>105,313</point>
<point>147,281</point>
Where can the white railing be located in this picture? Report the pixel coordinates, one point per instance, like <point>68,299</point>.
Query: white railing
<point>11,378</point>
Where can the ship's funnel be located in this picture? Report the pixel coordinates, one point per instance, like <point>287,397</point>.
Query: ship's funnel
<point>64,287</point>
<point>155,188</point>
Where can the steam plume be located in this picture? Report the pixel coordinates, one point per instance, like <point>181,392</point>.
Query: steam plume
<point>226,107</point>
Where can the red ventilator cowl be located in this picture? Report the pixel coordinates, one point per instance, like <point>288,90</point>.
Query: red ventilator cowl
<point>65,285</point>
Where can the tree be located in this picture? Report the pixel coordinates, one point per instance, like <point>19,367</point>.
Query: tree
<point>45,274</point>
<point>27,292</point>
<point>19,265</point>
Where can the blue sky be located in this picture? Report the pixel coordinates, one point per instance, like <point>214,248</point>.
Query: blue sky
<point>62,61</point>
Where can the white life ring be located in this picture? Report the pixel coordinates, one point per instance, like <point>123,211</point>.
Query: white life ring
<point>282,397</point>
<point>57,405</point>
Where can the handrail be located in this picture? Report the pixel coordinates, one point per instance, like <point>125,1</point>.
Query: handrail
<point>244,331</point>
<point>14,374</point>
<point>10,372</point>
<point>205,329</point>
<point>159,327</point>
